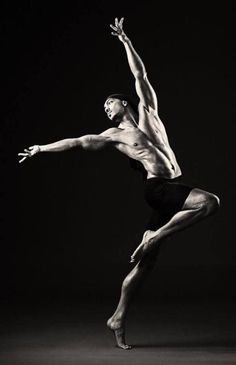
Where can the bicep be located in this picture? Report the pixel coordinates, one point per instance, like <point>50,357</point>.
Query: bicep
<point>93,142</point>
<point>146,92</point>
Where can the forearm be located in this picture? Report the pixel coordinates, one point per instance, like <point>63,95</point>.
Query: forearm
<point>59,146</point>
<point>90,142</point>
<point>135,63</point>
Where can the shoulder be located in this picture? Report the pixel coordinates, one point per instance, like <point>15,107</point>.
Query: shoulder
<point>110,132</point>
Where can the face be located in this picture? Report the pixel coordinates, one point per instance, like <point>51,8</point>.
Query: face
<point>114,108</point>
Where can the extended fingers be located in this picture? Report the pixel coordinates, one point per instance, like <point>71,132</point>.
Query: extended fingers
<point>121,22</point>
<point>118,24</point>
<point>27,151</point>
<point>113,27</point>
<point>23,154</point>
<point>23,159</point>
<point>26,154</point>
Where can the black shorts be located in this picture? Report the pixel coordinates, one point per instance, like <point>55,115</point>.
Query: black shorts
<point>166,197</point>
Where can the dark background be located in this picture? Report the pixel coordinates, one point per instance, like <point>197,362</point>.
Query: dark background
<point>71,220</point>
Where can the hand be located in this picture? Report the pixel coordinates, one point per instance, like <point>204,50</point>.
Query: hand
<point>31,151</point>
<point>118,30</point>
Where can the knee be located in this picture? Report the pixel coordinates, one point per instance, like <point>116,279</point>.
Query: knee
<point>212,203</point>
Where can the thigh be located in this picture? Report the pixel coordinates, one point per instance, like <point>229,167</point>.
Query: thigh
<point>196,198</point>
<point>169,200</point>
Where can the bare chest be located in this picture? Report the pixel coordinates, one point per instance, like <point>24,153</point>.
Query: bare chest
<point>133,138</point>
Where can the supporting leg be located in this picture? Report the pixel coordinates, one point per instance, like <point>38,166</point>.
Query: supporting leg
<point>132,281</point>
<point>197,206</point>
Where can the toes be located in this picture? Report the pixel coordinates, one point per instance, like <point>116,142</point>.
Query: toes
<point>126,347</point>
<point>134,257</point>
<point>137,251</point>
<point>137,254</point>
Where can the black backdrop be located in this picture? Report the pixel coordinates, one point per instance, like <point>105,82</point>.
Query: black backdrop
<point>71,220</point>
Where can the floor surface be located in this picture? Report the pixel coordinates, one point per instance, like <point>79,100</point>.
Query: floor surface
<point>170,331</point>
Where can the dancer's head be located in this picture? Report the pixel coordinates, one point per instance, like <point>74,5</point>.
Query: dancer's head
<point>118,105</point>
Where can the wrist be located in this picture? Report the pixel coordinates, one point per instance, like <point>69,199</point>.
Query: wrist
<point>124,38</point>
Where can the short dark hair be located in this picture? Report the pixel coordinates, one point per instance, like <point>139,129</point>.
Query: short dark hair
<point>127,98</point>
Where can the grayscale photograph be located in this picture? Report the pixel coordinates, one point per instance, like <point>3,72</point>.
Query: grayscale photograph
<point>117,188</point>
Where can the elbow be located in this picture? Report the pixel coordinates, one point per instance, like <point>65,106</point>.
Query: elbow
<point>140,74</point>
<point>74,142</point>
<point>83,142</point>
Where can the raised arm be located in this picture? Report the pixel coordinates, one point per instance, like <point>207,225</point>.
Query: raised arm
<point>90,142</point>
<point>143,87</point>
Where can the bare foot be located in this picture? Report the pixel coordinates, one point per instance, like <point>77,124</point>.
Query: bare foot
<point>148,243</point>
<point>119,332</point>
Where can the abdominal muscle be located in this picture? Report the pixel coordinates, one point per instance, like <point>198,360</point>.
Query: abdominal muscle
<point>157,157</point>
<point>160,171</point>
<point>157,162</point>
<point>158,165</point>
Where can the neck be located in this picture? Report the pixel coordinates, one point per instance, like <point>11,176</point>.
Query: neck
<point>128,121</point>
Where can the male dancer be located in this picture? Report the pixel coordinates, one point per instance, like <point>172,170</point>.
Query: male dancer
<point>141,136</point>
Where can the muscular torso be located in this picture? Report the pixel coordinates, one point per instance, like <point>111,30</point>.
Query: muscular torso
<point>148,144</point>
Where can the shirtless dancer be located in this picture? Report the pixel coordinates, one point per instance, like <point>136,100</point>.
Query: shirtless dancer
<point>142,137</point>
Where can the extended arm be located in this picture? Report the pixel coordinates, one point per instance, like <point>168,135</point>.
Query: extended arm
<point>144,89</point>
<point>90,142</point>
